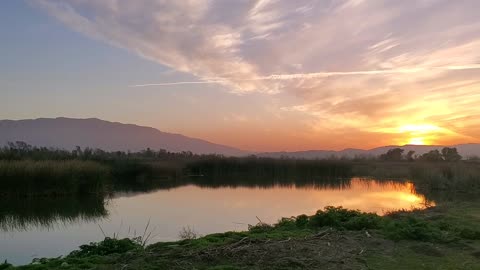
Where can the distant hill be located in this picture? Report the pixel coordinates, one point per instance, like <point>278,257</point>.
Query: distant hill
<point>67,133</point>
<point>466,150</point>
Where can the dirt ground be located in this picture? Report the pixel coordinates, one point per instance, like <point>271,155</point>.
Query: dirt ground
<point>327,250</point>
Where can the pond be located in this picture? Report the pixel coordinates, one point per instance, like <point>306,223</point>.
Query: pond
<point>54,227</point>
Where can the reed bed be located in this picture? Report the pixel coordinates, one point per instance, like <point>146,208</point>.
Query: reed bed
<point>52,177</point>
<point>460,176</point>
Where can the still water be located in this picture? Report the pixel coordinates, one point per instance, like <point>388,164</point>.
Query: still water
<point>55,227</point>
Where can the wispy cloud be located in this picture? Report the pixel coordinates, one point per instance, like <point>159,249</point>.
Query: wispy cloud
<point>294,76</point>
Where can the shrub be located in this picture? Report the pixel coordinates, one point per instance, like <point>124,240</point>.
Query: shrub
<point>106,247</point>
<point>188,233</point>
<point>5,265</point>
<point>287,223</point>
<point>412,229</point>
<point>342,218</point>
<point>260,228</point>
<point>302,221</point>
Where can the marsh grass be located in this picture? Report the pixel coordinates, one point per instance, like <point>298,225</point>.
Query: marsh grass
<point>52,177</point>
<point>464,176</point>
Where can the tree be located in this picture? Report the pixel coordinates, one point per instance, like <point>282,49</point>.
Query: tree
<point>433,155</point>
<point>450,154</point>
<point>410,156</point>
<point>394,154</point>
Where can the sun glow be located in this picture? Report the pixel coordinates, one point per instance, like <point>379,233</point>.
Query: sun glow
<point>419,134</point>
<point>418,129</point>
<point>417,141</point>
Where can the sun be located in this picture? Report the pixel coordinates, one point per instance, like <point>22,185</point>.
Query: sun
<point>418,134</point>
<point>416,141</point>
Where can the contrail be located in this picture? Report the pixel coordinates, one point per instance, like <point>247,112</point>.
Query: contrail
<point>363,72</point>
<point>275,77</point>
<point>176,83</point>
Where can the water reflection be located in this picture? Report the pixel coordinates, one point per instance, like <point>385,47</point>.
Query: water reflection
<point>357,193</point>
<point>323,183</point>
<point>28,213</point>
<point>206,205</point>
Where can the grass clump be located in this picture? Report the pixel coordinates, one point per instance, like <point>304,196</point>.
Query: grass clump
<point>188,233</point>
<point>5,265</point>
<point>436,224</point>
<point>107,246</point>
<point>411,228</point>
<point>401,225</point>
<point>335,217</point>
<point>101,255</point>
<point>341,218</point>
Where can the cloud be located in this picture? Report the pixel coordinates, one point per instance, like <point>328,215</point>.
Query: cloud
<point>368,65</point>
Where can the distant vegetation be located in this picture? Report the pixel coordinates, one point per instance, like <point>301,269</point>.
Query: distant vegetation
<point>446,154</point>
<point>29,170</point>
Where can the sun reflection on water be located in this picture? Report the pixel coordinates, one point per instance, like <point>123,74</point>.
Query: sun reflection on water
<point>379,196</point>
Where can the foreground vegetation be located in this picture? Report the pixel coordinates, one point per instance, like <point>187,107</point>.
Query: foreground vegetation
<point>446,237</point>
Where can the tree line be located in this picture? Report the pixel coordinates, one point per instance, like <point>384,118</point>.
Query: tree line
<point>449,154</point>
<point>20,151</point>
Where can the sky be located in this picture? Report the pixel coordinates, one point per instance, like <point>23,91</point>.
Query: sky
<point>261,75</point>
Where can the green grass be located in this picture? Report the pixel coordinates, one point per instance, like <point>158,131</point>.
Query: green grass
<point>408,255</point>
<point>434,238</point>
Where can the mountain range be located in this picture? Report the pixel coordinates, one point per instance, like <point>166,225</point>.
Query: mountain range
<point>67,133</point>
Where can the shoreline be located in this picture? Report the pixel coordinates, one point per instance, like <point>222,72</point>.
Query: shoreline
<point>441,236</point>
